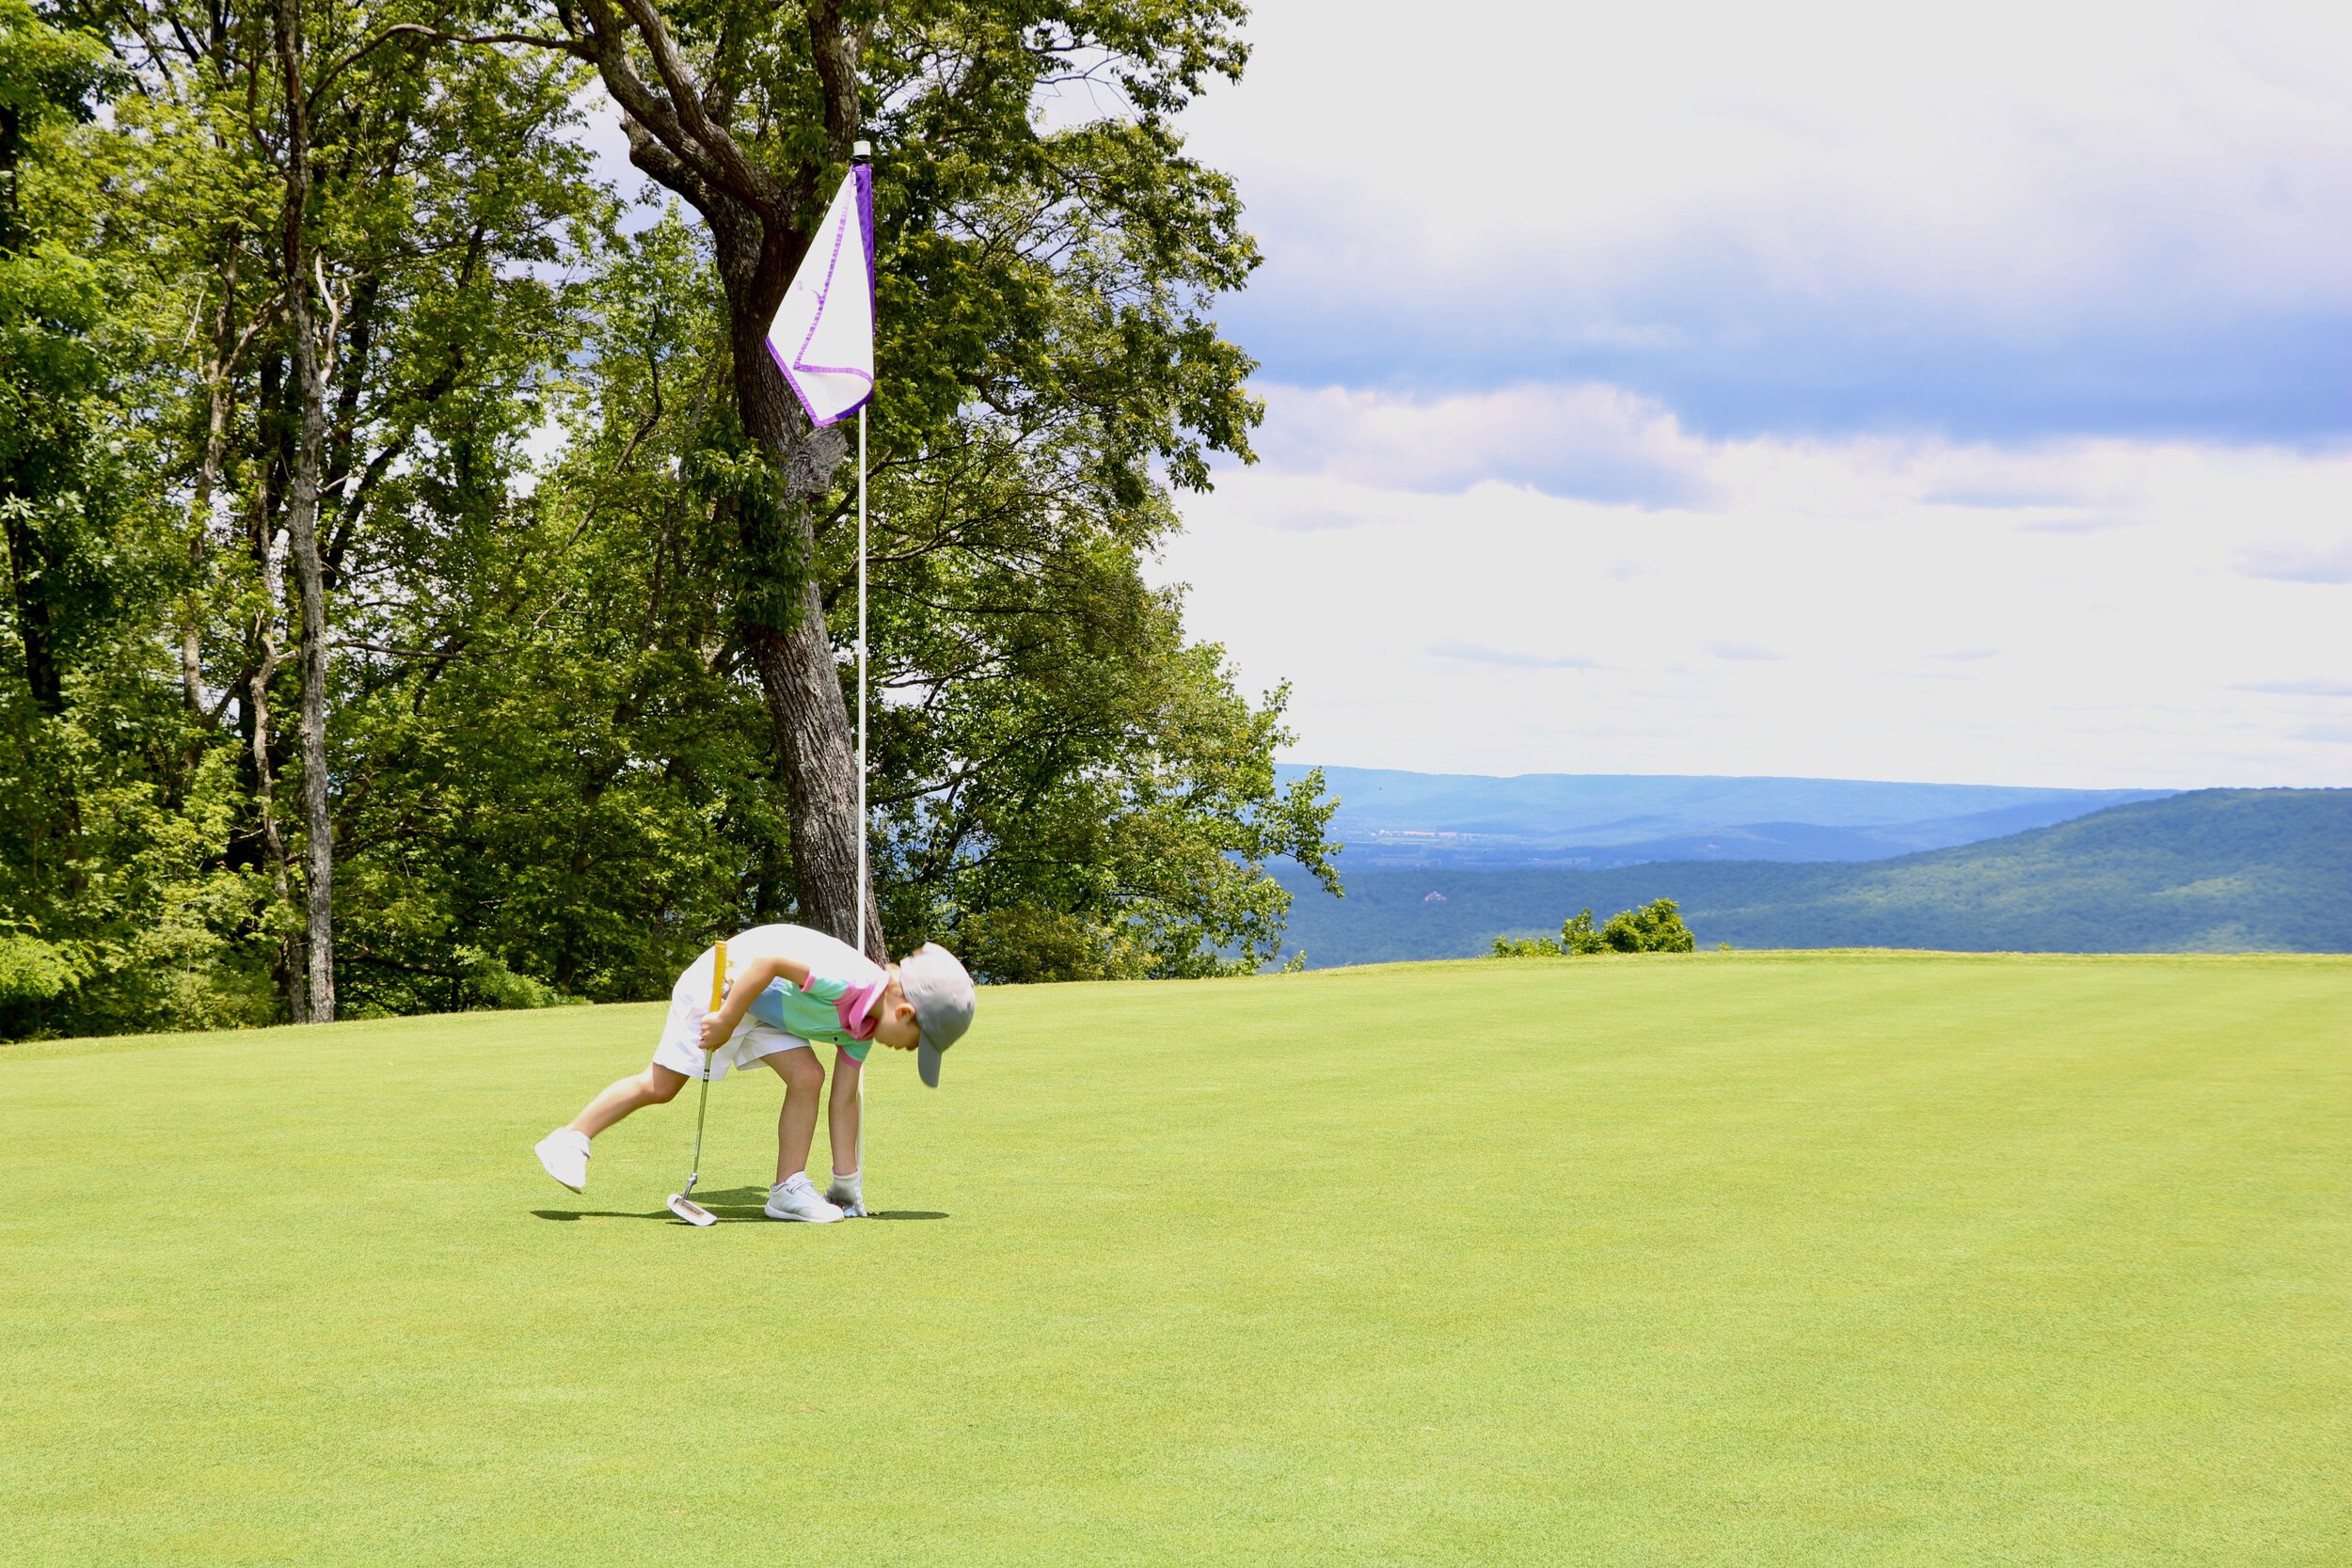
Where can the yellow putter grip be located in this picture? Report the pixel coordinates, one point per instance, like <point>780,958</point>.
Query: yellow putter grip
<point>718,979</point>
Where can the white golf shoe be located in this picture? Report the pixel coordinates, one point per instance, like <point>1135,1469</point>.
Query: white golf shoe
<point>564,1153</point>
<point>850,1192</point>
<point>797,1199</point>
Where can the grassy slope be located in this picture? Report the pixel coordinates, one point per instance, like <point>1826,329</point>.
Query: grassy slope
<point>2211,871</point>
<point>1831,1260</point>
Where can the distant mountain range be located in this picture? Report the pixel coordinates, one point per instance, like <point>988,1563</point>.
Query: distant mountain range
<point>2215,870</point>
<point>1391,820</point>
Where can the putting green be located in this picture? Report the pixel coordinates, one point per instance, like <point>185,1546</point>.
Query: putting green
<point>1733,1258</point>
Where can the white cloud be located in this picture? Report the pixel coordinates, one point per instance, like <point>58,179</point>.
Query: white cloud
<point>1587,441</point>
<point>1479,653</point>
<point>1959,207</point>
<point>2012,149</point>
<point>2298,559</point>
<point>1468,625</point>
<point>2297,687</point>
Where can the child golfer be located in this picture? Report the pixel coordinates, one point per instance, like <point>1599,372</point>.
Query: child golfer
<point>788,989</point>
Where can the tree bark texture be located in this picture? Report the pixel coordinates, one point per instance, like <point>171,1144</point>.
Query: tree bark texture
<point>798,676</point>
<point>302,516</point>
<point>760,227</point>
<point>219,394</point>
<point>258,717</point>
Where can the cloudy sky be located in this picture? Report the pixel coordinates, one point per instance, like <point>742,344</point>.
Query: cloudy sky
<point>1954,393</point>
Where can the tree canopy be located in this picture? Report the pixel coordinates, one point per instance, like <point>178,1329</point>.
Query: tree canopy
<point>414,605</point>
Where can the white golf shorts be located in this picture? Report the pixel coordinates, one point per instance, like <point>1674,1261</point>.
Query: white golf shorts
<point>681,1046</point>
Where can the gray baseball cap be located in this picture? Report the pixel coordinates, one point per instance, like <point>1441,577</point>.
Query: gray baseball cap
<point>941,990</point>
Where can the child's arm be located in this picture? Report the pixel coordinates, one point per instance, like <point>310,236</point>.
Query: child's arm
<point>754,980</point>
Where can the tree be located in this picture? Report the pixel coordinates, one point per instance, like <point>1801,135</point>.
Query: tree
<point>51,305</point>
<point>306,451</point>
<point>354,364</point>
<point>113,913</point>
<point>625,812</point>
<point>747,112</point>
<point>540,748</point>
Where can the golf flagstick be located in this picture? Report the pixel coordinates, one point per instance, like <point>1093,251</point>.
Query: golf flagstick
<point>822,340</point>
<point>862,154</point>
<point>681,1204</point>
<point>860,1152</point>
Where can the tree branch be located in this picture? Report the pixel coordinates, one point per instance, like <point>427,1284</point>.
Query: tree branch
<point>678,120</point>
<point>435,35</point>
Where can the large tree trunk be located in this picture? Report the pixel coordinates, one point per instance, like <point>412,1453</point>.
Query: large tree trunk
<point>760,224</point>
<point>258,717</point>
<point>798,676</point>
<point>318,827</point>
<point>302,518</point>
<point>804,696</point>
<point>265,655</point>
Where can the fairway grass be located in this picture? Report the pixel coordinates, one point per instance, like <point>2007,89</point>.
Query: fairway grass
<point>1727,1260</point>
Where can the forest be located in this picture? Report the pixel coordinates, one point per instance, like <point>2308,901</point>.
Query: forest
<point>414,606</point>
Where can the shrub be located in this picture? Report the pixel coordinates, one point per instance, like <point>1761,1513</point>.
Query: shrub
<point>1577,934</point>
<point>1526,947</point>
<point>1655,928</point>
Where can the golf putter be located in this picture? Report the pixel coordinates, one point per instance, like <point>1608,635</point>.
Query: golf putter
<point>682,1204</point>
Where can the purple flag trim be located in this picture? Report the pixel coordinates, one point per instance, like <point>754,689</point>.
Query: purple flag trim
<point>863,174</point>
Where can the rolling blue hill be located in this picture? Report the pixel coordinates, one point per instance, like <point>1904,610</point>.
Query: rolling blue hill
<point>2213,871</point>
<point>1391,820</point>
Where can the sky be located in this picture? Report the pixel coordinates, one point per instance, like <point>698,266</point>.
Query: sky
<point>1824,389</point>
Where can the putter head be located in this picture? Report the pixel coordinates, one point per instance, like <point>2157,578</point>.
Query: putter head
<point>691,1211</point>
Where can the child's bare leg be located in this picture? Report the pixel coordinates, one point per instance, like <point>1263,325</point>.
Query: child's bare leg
<point>841,1113</point>
<point>803,1078</point>
<point>656,1086</point>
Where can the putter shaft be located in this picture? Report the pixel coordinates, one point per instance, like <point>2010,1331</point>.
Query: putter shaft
<point>702,1099</point>
<point>702,1107</point>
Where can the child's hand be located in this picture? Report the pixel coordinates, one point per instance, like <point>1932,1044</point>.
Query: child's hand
<point>715,1032</point>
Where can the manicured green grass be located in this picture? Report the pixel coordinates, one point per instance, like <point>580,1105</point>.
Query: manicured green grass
<point>1739,1259</point>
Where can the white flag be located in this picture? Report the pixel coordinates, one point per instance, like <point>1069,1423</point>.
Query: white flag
<point>823,333</point>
